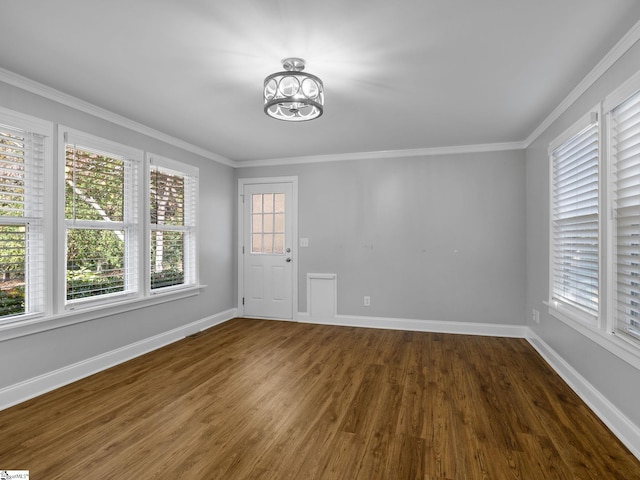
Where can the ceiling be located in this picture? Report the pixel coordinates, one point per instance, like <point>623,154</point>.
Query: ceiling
<point>402,75</point>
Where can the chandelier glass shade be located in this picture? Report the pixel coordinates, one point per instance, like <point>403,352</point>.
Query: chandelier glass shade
<point>292,95</point>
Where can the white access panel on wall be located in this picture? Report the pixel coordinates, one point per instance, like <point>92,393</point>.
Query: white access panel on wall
<point>322,296</point>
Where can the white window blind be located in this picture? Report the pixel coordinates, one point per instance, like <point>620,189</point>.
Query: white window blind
<point>101,211</point>
<point>624,134</point>
<point>173,197</point>
<point>575,222</point>
<point>22,156</point>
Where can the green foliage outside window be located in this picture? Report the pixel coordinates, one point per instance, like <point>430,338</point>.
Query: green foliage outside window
<point>167,253</point>
<point>12,237</point>
<point>94,186</point>
<point>95,192</point>
<point>167,195</point>
<point>95,262</point>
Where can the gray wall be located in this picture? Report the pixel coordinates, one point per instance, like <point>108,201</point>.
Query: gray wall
<point>452,238</point>
<point>431,238</point>
<point>29,356</point>
<point>614,378</point>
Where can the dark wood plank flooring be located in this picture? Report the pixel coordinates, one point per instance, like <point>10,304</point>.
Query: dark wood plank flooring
<point>254,399</point>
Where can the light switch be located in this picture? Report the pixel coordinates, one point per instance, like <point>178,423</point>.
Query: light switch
<point>304,242</point>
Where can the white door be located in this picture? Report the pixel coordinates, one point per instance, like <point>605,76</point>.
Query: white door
<point>267,250</point>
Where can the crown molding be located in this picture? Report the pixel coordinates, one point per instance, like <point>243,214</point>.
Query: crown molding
<point>50,93</point>
<point>418,152</point>
<point>623,45</point>
<point>619,49</point>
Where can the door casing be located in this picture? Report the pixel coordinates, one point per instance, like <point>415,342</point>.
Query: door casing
<point>293,180</point>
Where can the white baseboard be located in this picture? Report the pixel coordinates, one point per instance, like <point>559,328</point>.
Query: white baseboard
<point>20,392</point>
<point>620,425</point>
<point>623,428</point>
<point>434,326</point>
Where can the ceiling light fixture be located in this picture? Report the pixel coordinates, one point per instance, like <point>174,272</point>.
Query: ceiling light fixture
<point>292,95</point>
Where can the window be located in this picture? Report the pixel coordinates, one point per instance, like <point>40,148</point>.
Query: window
<point>575,223</point>
<point>595,223</point>
<point>101,213</point>
<point>267,223</point>
<point>23,147</point>
<point>624,140</point>
<point>172,200</point>
<point>113,231</point>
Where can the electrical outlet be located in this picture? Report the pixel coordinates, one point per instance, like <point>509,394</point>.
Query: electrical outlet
<point>535,316</point>
<point>367,301</point>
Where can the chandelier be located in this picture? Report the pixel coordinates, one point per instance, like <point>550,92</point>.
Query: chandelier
<point>292,95</point>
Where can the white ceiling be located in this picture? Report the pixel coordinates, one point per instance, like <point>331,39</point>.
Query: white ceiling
<point>404,74</point>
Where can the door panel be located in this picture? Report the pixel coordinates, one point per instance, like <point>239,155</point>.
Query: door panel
<point>278,282</point>
<point>268,244</point>
<point>257,282</point>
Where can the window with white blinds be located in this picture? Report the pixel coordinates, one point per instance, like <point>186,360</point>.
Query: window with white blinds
<point>172,197</point>
<point>624,138</point>
<point>101,212</point>
<point>112,224</point>
<point>575,222</point>
<point>22,262</point>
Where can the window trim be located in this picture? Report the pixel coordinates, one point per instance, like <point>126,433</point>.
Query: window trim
<point>602,332</point>
<point>131,220</point>
<point>192,249</point>
<point>45,129</point>
<point>618,346</point>
<point>54,314</point>
<point>37,324</point>
<point>612,102</point>
<point>561,310</point>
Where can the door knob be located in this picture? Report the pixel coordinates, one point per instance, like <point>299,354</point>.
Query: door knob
<point>288,259</point>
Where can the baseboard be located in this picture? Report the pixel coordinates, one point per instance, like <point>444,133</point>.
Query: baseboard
<point>626,431</point>
<point>434,326</point>
<point>618,423</point>
<point>20,392</point>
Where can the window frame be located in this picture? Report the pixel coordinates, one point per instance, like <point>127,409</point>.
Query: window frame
<point>603,331</point>
<point>616,99</point>
<point>56,313</point>
<point>190,228</point>
<point>130,223</point>
<point>562,309</point>
<point>33,310</point>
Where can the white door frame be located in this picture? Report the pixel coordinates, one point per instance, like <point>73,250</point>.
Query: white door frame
<point>294,237</point>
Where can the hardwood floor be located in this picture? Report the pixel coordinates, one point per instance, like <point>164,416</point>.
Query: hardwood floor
<point>254,399</point>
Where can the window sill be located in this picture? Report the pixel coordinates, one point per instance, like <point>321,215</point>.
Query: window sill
<point>571,316</point>
<point>31,325</point>
<point>620,347</point>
